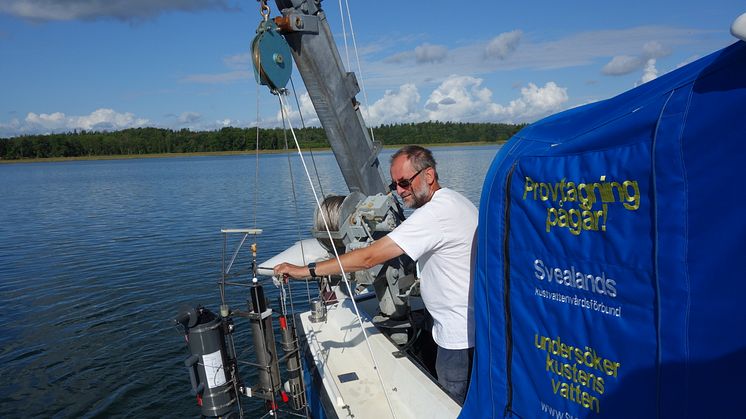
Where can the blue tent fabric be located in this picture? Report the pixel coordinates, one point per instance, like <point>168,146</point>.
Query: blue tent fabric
<point>608,277</point>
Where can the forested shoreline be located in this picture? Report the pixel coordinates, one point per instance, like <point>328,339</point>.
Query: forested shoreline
<point>143,141</point>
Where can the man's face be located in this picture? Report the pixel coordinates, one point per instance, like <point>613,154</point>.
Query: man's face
<point>418,192</point>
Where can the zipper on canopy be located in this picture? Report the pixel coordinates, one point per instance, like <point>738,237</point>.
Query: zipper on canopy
<point>506,290</point>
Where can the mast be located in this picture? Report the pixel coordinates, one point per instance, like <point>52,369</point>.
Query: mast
<point>369,211</point>
<point>332,91</point>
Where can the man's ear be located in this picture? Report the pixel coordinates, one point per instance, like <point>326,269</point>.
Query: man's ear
<point>430,175</point>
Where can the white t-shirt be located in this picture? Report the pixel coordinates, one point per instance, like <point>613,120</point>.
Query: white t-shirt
<point>439,236</point>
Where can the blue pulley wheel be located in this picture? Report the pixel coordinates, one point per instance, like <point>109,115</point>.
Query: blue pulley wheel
<point>271,56</point>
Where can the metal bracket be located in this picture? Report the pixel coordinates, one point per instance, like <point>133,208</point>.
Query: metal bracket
<point>297,23</point>
<point>353,87</point>
<point>305,6</point>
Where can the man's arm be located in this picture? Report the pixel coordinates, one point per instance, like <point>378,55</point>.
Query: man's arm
<point>380,251</point>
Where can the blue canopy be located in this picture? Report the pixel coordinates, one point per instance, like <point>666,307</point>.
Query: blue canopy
<point>609,279</point>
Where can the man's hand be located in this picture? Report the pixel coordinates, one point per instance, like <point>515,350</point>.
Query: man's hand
<point>292,271</point>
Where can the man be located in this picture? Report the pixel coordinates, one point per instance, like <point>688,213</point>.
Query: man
<point>439,236</point>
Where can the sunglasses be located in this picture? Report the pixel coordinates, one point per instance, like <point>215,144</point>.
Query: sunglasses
<point>406,183</point>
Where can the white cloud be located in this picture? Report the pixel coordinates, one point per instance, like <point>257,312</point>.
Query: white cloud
<point>503,45</point>
<point>125,10</point>
<point>306,110</point>
<point>655,49</point>
<point>458,98</point>
<point>535,102</point>
<point>427,53</point>
<point>649,72</point>
<point>398,57</point>
<point>216,124</point>
<point>189,117</point>
<point>422,54</point>
<point>51,121</point>
<point>625,64</point>
<point>573,51</point>
<point>241,60</point>
<point>105,119</point>
<point>622,64</point>
<point>98,120</point>
<point>10,129</point>
<point>394,107</point>
<point>464,99</point>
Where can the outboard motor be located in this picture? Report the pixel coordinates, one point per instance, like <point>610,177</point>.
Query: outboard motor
<point>209,365</point>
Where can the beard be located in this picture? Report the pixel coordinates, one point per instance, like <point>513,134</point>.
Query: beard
<point>420,196</point>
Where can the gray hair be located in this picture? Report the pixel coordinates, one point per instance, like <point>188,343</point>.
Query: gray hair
<point>420,157</point>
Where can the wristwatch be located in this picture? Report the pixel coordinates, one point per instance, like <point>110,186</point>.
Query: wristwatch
<point>312,269</point>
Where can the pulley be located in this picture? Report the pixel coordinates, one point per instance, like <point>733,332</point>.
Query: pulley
<point>271,56</point>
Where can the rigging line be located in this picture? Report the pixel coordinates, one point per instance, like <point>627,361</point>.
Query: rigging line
<point>234,374</point>
<point>344,33</point>
<point>235,254</point>
<point>303,125</point>
<point>256,164</point>
<point>222,270</point>
<point>318,179</point>
<point>295,196</point>
<point>339,262</point>
<point>297,103</point>
<point>283,298</point>
<point>295,329</point>
<point>264,9</point>
<point>316,169</point>
<point>359,69</point>
<point>234,366</point>
<point>297,224</point>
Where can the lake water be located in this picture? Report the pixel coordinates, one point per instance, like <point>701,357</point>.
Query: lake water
<point>97,256</point>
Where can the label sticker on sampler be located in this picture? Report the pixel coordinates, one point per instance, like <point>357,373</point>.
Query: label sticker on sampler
<point>214,371</point>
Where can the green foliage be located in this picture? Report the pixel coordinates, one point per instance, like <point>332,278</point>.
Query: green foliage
<point>435,132</point>
<point>158,140</point>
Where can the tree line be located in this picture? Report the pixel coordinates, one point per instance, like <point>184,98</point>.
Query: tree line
<point>139,141</point>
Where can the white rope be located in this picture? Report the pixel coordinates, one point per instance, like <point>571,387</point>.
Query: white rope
<point>359,69</point>
<point>256,165</point>
<point>303,126</point>
<point>302,252</point>
<point>285,112</point>
<point>344,32</point>
<point>295,201</point>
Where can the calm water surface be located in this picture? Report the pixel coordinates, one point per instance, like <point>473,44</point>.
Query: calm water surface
<point>97,256</point>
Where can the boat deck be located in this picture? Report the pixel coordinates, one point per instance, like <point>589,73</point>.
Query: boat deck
<point>349,378</point>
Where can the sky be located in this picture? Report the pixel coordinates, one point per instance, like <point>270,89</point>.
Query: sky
<point>70,65</point>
